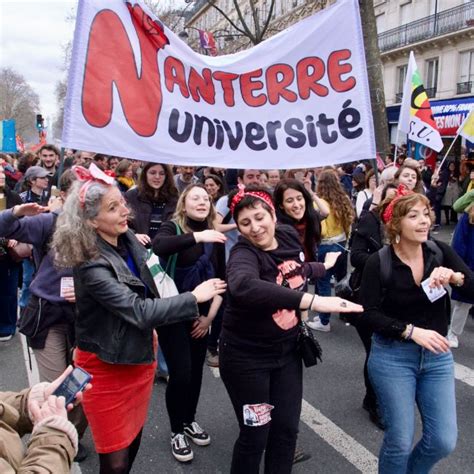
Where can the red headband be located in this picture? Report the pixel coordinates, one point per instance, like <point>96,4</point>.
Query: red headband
<point>92,175</point>
<point>402,190</point>
<point>262,195</point>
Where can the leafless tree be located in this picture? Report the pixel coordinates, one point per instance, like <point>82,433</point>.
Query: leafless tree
<point>254,29</point>
<point>18,101</point>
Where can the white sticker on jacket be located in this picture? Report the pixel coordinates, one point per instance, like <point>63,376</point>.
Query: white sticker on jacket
<point>257,414</point>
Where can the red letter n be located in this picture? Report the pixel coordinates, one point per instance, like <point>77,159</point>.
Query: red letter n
<point>110,60</point>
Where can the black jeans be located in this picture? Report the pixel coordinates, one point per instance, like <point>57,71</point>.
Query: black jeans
<point>213,341</point>
<point>255,377</point>
<point>185,358</point>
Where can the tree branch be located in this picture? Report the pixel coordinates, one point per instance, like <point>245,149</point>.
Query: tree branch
<point>211,3</point>
<point>248,33</point>
<point>267,21</point>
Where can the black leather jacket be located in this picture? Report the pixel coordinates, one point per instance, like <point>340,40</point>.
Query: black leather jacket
<point>115,319</point>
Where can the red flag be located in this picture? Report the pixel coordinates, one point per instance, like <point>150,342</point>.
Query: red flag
<point>380,163</point>
<point>207,42</point>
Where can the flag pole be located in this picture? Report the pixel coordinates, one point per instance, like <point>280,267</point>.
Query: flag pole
<point>447,153</point>
<point>396,146</point>
<point>455,138</point>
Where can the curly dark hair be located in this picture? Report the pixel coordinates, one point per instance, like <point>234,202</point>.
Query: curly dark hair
<point>313,221</point>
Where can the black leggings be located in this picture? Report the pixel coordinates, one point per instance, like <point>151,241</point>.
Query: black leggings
<point>258,379</point>
<point>120,462</point>
<point>185,358</point>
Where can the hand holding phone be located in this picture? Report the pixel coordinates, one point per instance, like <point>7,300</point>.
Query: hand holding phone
<point>73,384</point>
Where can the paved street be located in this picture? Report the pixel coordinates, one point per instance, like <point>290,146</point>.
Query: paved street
<point>334,427</point>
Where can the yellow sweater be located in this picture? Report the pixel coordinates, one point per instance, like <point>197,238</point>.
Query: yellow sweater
<point>330,227</point>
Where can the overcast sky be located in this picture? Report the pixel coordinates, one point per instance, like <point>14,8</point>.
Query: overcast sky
<point>33,34</point>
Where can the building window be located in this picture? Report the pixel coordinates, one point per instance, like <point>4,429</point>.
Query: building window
<point>380,20</point>
<point>466,72</point>
<point>431,79</point>
<point>405,11</point>
<point>401,75</point>
<point>466,66</point>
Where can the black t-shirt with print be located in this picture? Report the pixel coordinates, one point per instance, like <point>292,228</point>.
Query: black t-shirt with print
<point>262,305</point>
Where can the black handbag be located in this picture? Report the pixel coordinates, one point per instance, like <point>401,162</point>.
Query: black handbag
<point>308,346</point>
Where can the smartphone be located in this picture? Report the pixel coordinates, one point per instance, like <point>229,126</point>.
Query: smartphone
<point>74,383</point>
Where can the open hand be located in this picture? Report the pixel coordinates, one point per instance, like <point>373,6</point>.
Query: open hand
<point>143,239</point>
<point>29,209</point>
<point>208,289</point>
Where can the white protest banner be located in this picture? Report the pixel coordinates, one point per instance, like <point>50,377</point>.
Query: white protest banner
<point>298,99</point>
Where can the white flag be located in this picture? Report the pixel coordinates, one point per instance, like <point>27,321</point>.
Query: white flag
<point>416,118</point>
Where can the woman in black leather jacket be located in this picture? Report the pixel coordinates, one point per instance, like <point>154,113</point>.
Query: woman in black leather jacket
<point>118,309</point>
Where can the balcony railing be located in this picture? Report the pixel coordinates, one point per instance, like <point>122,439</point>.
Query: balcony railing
<point>464,87</point>
<point>398,97</point>
<point>447,21</point>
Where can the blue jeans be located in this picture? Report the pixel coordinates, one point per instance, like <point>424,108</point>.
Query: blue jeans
<point>324,284</point>
<point>403,373</point>
<point>28,270</point>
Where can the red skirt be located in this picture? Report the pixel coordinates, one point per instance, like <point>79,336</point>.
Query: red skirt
<point>116,407</point>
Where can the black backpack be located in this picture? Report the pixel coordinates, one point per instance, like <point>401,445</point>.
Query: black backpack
<point>386,261</point>
<point>386,269</point>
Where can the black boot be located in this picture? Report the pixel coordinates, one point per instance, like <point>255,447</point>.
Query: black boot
<point>374,413</point>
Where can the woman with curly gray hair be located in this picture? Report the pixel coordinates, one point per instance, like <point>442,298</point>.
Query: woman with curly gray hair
<point>118,309</point>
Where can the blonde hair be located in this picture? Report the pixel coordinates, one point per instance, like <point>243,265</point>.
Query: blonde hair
<point>330,189</point>
<point>179,215</point>
<point>400,209</point>
<point>470,212</point>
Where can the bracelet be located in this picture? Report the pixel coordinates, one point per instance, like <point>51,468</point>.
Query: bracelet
<point>311,303</point>
<point>409,332</point>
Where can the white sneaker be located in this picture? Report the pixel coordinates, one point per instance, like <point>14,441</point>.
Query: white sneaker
<point>180,448</point>
<point>319,326</point>
<point>453,340</point>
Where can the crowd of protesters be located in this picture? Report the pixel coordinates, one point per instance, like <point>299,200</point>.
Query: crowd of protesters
<point>253,255</point>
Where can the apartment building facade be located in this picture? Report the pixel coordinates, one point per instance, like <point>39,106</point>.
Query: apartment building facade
<point>441,35</point>
<point>439,32</point>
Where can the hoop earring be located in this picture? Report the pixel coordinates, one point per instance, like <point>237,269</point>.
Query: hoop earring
<point>397,239</point>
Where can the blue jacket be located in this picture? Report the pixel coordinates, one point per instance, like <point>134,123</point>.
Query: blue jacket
<point>37,230</point>
<point>463,244</point>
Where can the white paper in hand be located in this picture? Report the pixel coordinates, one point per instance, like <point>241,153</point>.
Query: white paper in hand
<point>433,294</point>
<point>66,283</point>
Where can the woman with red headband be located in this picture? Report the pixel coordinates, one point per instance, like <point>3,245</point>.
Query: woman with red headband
<point>118,308</point>
<point>410,361</point>
<point>259,362</point>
